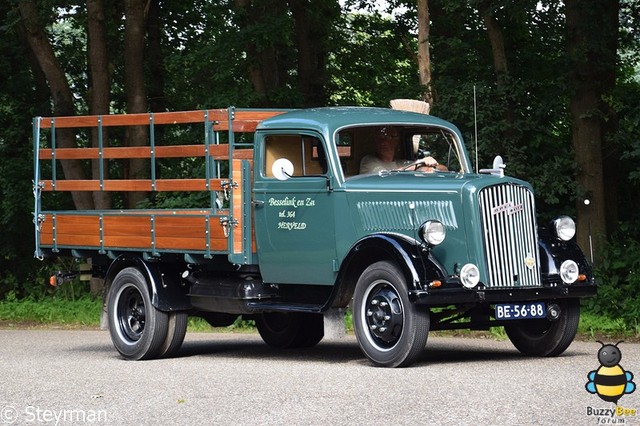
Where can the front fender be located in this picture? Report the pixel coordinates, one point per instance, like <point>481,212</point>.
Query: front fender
<point>415,261</point>
<point>553,252</point>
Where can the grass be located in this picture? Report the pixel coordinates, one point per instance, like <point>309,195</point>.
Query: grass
<point>85,313</point>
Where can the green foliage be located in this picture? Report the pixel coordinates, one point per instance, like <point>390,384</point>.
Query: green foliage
<point>371,62</point>
<point>51,311</point>
<point>618,279</point>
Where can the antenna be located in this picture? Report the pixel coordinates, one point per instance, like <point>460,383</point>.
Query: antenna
<point>475,123</point>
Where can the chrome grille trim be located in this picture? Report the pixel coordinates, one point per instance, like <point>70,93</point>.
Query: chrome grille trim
<point>379,216</point>
<point>510,236</point>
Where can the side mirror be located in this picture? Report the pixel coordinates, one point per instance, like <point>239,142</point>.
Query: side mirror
<point>497,168</point>
<point>282,169</point>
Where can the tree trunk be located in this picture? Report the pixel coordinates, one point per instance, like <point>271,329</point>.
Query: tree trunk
<point>60,94</point>
<point>424,56</point>
<point>312,25</point>
<point>134,34</point>
<point>99,88</point>
<point>155,61</point>
<point>500,63</point>
<point>592,62</point>
<point>263,56</point>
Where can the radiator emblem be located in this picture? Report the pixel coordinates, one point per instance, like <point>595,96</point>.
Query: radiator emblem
<point>508,208</point>
<point>529,261</point>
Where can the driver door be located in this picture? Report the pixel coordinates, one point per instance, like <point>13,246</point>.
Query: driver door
<point>294,214</point>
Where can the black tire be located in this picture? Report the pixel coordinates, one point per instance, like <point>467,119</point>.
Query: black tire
<point>311,332</point>
<point>177,329</point>
<point>391,331</point>
<point>217,319</point>
<point>138,330</point>
<point>544,338</point>
<point>290,329</point>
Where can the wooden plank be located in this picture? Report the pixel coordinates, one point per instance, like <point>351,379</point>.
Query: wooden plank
<point>237,206</point>
<point>219,152</point>
<point>75,224</point>
<point>69,153</point>
<point>72,240</point>
<point>132,241</point>
<point>127,225</point>
<point>173,233</point>
<point>181,185</point>
<point>71,185</point>
<point>141,119</point>
<point>244,118</point>
<point>128,185</point>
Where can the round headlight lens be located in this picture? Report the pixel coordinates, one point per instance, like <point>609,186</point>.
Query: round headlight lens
<point>569,272</point>
<point>432,232</point>
<point>470,275</point>
<point>565,228</point>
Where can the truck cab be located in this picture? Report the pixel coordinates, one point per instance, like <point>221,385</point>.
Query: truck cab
<point>372,209</point>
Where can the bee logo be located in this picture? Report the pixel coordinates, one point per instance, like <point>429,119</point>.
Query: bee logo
<point>610,381</point>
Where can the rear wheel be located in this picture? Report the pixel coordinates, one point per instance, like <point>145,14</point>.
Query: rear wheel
<point>391,331</point>
<point>290,329</point>
<point>177,329</point>
<point>547,338</point>
<point>138,330</point>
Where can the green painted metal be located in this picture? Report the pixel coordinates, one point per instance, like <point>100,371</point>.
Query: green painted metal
<point>37,190</point>
<point>100,153</point>
<point>152,147</point>
<point>53,153</point>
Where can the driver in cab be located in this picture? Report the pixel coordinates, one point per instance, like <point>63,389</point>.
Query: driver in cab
<point>387,140</point>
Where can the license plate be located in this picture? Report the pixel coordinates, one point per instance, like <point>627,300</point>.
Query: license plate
<point>520,311</point>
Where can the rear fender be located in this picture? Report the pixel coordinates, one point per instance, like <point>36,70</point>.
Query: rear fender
<point>168,292</point>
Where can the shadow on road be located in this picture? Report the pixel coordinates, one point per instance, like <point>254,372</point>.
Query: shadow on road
<point>442,351</point>
<point>437,351</point>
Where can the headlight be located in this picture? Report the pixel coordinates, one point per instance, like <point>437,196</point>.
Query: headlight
<point>569,271</point>
<point>432,232</point>
<point>470,275</point>
<point>565,228</point>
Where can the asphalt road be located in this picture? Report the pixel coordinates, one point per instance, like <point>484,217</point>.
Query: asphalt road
<point>63,377</point>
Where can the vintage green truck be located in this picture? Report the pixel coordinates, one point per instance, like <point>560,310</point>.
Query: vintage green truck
<point>291,232</point>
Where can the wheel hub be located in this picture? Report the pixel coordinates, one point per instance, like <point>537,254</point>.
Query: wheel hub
<point>384,316</point>
<point>131,313</point>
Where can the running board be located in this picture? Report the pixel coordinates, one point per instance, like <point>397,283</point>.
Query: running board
<point>273,306</point>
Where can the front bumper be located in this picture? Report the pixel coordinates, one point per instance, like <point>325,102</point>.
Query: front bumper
<point>458,296</point>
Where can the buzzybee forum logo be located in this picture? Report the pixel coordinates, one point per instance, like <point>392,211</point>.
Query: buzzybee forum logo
<point>610,381</point>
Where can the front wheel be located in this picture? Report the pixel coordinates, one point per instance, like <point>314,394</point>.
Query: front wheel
<point>545,338</point>
<point>138,330</point>
<point>391,331</point>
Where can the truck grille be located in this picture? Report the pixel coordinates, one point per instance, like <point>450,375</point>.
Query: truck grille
<point>510,236</point>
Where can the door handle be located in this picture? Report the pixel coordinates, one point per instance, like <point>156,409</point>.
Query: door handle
<point>257,203</point>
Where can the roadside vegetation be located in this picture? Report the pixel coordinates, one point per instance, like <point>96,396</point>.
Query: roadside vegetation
<point>59,310</point>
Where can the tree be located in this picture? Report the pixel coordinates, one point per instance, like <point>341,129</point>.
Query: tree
<point>592,78</point>
<point>135,89</point>
<point>60,92</point>
<point>313,22</point>
<point>424,56</point>
<point>99,87</point>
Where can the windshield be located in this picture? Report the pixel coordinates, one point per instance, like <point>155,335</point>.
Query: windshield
<point>373,149</point>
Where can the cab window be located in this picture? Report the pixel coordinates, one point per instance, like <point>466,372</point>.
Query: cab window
<point>305,152</point>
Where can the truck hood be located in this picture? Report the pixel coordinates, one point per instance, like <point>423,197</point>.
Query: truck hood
<point>426,182</point>
<point>400,201</point>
